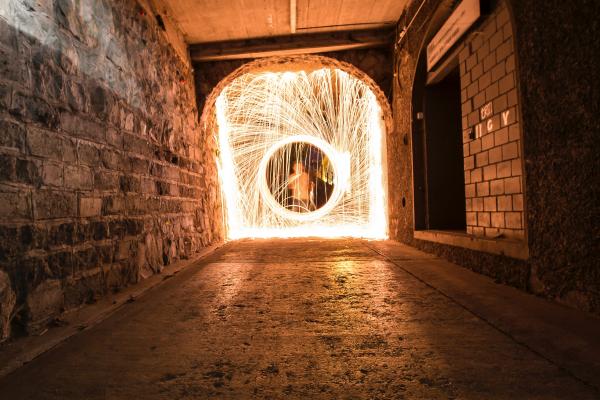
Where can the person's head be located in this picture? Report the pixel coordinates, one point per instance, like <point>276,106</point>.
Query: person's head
<point>297,167</point>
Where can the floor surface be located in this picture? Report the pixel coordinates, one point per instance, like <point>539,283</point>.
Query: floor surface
<point>298,319</point>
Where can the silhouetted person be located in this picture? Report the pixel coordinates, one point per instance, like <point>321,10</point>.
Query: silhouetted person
<point>300,187</point>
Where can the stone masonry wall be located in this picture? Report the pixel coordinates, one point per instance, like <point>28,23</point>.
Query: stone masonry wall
<point>556,109</point>
<point>377,63</point>
<point>492,134</point>
<point>105,176</point>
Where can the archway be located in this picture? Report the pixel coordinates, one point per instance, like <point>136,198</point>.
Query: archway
<point>301,149</point>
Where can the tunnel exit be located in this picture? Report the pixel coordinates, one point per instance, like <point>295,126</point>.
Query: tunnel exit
<point>301,153</point>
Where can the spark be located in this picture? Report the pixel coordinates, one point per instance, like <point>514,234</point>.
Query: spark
<point>261,114</point>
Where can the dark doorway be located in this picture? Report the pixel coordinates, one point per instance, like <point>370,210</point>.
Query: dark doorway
<point>438,153</point>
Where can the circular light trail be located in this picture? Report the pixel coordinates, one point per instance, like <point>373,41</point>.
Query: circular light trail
<point>258,114</point>
<point>340,170</point>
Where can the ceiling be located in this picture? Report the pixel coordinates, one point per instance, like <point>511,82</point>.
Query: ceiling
<point>203,21</point>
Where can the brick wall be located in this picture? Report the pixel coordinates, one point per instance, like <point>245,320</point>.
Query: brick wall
<point>557,115</point>
<point>492,133</point>
<point>105,176</point>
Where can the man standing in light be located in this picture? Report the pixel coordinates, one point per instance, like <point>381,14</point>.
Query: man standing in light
<point>301,188</point>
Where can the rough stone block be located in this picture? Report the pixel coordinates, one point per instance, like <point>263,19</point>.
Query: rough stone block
<point>113,205</point>
<point>104,180</point>
<point>99,230</point>
<point>123,250</point>
<point>149,256</point>
<point>62,234</point>
<point>54,204</point>
<point>90,207</point>
<point>134,226</point>
<point>162,188</point>
<point>148,186</point>
<point>137,145</point>
<point>139,165</point>
<point>83,128</point>
<point>69,147</point>
<point>78,177</point>
<point>52,174</point>
<point>15,205</point>
<point>12,134</point>
<point>34,110</point>
<point>10,68</point>
<point>76,98</point>
<point>117,228</point>
<point>88,154</point>
<point>43,303</point>
<point>129,183</point>
<point>105,253</point>
<point>99,101</point>
<point>115,160</point>
<point>8,300</point>
<point>61,264</point>
<point>5,97</point>
<point>114,138</point>
<point>86,259</point>
<point>8,167</point>
<point>28,171</point>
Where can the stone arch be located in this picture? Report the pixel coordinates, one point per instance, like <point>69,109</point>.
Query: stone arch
<point>296,63</point>
<point>302,63</point>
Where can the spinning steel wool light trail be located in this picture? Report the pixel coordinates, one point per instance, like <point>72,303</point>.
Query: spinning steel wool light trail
<point>326,119</point>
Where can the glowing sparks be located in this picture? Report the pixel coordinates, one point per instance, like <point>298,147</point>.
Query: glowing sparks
<point>259,114</point>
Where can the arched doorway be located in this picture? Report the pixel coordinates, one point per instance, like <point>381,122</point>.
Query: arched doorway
<point>301,149</point>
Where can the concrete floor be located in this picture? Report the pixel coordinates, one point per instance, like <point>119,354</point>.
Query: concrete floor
<point>324,319</point>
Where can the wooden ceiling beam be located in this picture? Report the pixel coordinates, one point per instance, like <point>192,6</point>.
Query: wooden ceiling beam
<point>291,45</point>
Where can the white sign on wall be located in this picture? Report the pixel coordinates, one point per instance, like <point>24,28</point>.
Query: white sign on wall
<point>465,15</point>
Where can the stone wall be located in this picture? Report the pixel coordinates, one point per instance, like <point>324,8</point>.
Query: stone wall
<point>105,176</point>
<point>376,63</point>
<point>556,112</point>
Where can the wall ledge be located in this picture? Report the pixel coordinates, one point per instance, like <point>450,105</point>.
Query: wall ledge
<point>505,247</point>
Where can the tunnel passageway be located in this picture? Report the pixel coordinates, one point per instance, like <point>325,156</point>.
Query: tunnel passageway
<point>308,318</point>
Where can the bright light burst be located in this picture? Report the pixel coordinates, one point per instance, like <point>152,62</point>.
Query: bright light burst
<point>260,113</point>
